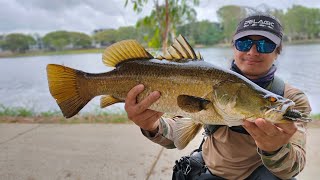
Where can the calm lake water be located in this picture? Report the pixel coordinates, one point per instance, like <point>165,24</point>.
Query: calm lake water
<point>23,81</point>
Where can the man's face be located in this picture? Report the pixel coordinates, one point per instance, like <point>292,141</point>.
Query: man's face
<point>252,63</point>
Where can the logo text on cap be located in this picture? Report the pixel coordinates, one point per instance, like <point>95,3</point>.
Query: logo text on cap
<point>261,23</point>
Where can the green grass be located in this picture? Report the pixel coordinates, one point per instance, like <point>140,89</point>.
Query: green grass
<point>315,117</point>
<point>50,113</point>
<point>15,111</point>
<point>28,115</point>
<point>22,114</point>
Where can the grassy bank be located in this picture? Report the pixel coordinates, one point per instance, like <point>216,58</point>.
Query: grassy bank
<point>27,115</point>
<point>100,50</point>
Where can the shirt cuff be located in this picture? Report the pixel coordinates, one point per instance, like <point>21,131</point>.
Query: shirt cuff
<point>265,153</point>
<point>150,135</point>
<point>275,155</point>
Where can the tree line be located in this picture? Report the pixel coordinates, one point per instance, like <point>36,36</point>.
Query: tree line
<point>300,23</point>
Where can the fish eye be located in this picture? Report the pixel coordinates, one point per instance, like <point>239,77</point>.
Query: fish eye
<point>273,99</point>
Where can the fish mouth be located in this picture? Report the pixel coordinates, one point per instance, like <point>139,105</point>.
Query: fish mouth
<point>277,113</point>
<point>287,106</point>
<point>292,114</point>
<point>295,115</point>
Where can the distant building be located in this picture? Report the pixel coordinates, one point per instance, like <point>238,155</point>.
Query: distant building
<point>1,40</point>
<point>39,43</point>
<point>98,30</point>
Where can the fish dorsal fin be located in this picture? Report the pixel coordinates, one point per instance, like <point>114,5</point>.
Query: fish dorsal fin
<point>179,51</point>
<point>124,51</point>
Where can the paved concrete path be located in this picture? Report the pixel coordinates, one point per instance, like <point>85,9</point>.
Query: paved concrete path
<point>98,151</point>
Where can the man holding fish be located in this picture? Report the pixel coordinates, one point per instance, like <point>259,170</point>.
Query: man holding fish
<point>247,112</point>
<point>261,149</point>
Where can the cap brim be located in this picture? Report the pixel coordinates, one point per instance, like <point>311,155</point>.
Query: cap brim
<point>266,34</point>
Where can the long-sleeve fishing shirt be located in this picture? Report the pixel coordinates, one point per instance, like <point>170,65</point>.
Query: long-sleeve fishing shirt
<point>234,155</point>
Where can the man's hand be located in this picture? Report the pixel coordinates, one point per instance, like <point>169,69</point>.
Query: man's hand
<point>139,113</point>
<point>270,137</point>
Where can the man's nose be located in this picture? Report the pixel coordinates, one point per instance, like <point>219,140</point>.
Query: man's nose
<point>253,50</point>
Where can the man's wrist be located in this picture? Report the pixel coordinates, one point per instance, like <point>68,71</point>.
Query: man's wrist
<point>152,133</point>
<point>269,153</point>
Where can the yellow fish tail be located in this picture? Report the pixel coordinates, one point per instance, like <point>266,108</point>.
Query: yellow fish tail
<point>64,87</point>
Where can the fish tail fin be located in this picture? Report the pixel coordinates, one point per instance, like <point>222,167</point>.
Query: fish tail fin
<point>186,130</point>
<point>64,88</point>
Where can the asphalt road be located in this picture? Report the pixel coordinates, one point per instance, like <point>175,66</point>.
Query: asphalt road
<point>99,151</point>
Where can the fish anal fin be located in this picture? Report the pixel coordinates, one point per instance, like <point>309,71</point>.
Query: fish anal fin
<point>108,100</point>
<point>123,51</point>
<point>192,104</point>
<point>185,131</point>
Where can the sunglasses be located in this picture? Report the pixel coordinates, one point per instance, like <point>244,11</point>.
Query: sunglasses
<point>263,45</point>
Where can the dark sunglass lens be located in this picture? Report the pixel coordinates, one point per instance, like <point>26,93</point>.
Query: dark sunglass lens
<point>265,46</point>
<point>243,44</point>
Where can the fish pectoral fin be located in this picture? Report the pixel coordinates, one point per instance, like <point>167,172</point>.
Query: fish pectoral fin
<point>108,100</point>
<point>185,131</point>
<point>192,104</point>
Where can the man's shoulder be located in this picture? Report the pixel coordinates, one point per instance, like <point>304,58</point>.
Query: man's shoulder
<point>292,92</point>
<point>288,88</point>
<point>297,96</point>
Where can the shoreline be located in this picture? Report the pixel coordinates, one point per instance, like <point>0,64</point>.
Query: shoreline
<point>92,119</point>
<point>59,119</point>
<point>7,54</point>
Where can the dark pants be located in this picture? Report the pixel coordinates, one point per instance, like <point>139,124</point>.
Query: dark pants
<point>261,173</point>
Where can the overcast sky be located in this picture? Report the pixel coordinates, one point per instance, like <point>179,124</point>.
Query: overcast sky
<point>43,16</point>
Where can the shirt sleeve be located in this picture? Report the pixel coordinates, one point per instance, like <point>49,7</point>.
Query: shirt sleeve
<point>164,135</point>
<point>290,160</point>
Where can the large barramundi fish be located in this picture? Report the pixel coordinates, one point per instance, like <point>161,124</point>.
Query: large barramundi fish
<point>189,87</point>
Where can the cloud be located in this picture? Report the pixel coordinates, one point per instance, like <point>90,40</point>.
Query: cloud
<point>43,16</point>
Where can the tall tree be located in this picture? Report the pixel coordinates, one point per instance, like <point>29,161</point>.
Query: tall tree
<point>202,33</point>
<point>80,40</point>
<point>229,17</point>
<point>128,32</point>
<point>302,22</point>
<point>166,16</point>
<point>56,40</point>
<point>17,42</point>
<point>59,40</point>
<point>106,37</point>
